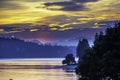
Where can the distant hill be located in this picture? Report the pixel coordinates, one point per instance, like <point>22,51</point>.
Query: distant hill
<point>37,42</point>
<point>16,48</point>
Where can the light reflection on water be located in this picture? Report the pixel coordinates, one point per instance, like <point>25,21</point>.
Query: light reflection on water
<point>33,73</point>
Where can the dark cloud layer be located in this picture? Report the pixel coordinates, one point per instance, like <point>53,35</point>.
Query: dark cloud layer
<point>60,4</point>
<point>67,6</point>
<point>56,36</point>
<point>74,8</point>
<point>84,1</point>
<point>71,5</point>
<point>48,34</point>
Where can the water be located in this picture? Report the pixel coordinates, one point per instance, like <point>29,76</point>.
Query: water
<point>34,69</point>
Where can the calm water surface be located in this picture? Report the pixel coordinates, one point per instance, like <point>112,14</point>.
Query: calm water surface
<point>34,69</point>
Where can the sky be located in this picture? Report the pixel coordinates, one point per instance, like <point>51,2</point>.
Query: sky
<point>62,22</point>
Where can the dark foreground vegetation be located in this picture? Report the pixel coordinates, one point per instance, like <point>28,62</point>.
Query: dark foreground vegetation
<point>69,59</point>
<point>102,61</point>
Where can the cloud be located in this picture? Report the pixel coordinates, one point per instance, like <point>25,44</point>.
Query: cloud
<point>48,34</point>
<point>74,5</point>
<point>60,23</point>
<point>69,22</point>
<point>84,1</point>
<point>59,4</point>
<point>32,0</point>
<point>14,28</point>
<point>10,5</point>
<point>42,0</point>
<point>66,6</point>
<point>61,37</point>
<point>22,0</point>
<point>75,8</point>
<point>8,29</point>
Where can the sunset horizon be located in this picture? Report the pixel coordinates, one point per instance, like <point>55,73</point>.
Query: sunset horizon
<point>59,39</point>
<point>59,22</point>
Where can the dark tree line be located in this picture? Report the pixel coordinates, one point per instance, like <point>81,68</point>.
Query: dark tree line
<point>16,48</point>
<point>102,61</point>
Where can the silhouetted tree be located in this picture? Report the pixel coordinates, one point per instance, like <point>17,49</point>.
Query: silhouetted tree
<point>103,59</point>
<point>82,46</point>
<point>69,59</point>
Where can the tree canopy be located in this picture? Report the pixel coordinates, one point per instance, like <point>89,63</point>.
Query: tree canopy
<point>82,46</point>
<point>69,59</point>
<point>103,59</point>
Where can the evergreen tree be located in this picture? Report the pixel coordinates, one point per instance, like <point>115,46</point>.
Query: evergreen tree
<point>103,59</point>
<point>82,46</point>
